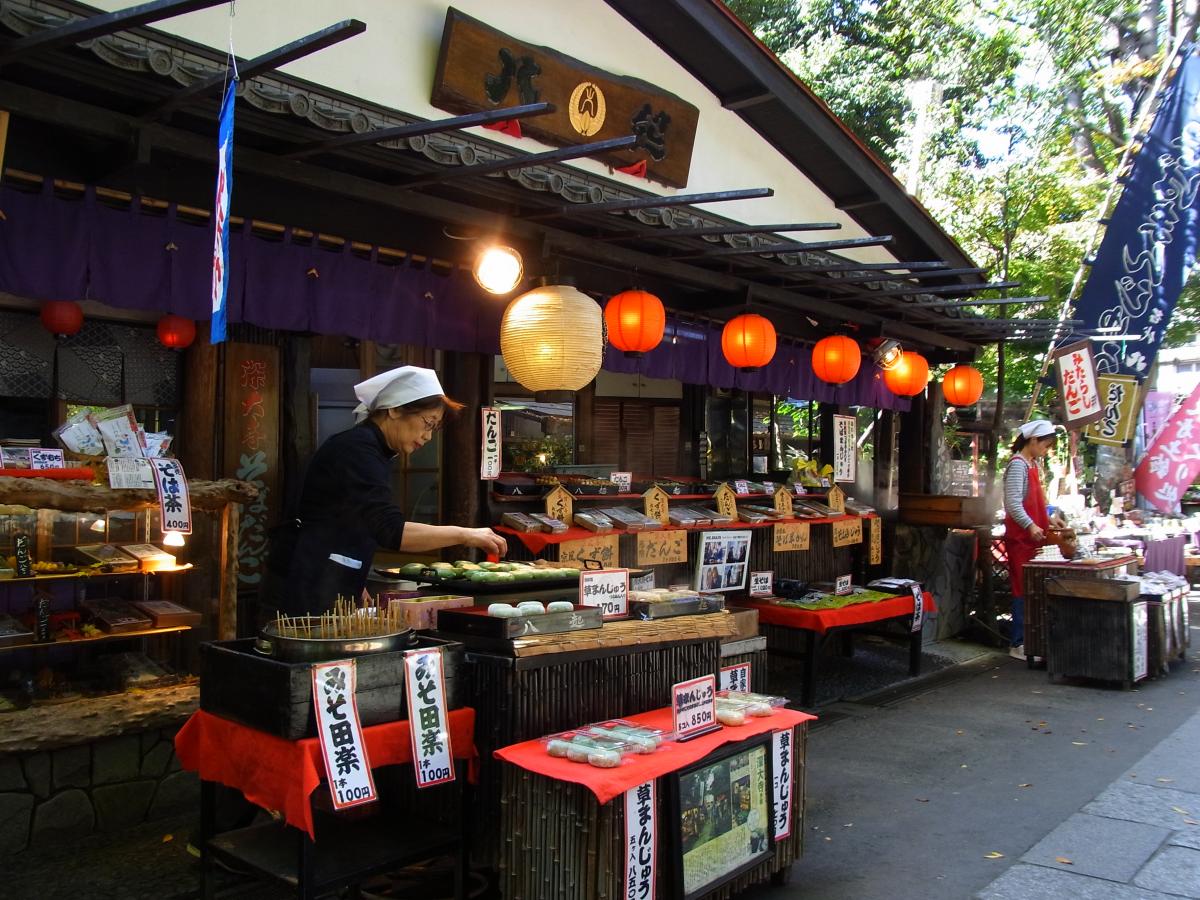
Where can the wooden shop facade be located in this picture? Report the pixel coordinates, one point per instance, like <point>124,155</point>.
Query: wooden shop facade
<point>613,145</point>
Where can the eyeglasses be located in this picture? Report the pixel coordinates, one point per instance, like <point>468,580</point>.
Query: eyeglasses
<point>431,425</point>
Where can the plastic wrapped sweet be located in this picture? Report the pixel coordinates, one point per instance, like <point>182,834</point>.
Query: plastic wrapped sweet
<point>503,610</point>
<point>755,704</point>
<point>731,713</point>
<point>530,608</point>
<point>641,738</point>
<point>556,606</point>
<point>605,751</point>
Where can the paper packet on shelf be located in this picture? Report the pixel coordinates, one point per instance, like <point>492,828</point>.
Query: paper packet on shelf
<point>120,431</point>
<point>80,435</point>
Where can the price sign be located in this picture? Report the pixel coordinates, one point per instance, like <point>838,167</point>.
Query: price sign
<point>836,500</point>
<point>347,768</point>
<point>768,487</point>
<point>607,590</point>
<point>24,559</point>
<point>433,757</point>
<point>783,775</point>
<point>657,548</point>
<point>790,536</point>
<point>735,678</point>
<point>799,489</point>
<point>641,840</point>
<point>173,499</point>
<point>783,501</point>
<point>560,505</point>
<point>741,486</point>
<point>762,584</point>
<point>918,595</point>
<point>847,532</point>
<point>876,553</point>
<point>845,448</point>
<point>606,548</point>
<point>726,502</point>
<point>623,481</point>
<point>489,469</point>
<point>657,504</point>
<point>842,585</point>
<point>694,705</point>
<point>46,458</point>
<point>642,582</point>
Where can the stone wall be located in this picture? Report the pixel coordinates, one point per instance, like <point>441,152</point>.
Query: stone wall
<point>944,560</point>
<point>51,796</point>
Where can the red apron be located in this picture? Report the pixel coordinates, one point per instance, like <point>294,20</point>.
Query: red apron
<point>1021,548</point>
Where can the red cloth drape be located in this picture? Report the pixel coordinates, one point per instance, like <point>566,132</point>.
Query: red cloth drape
<point>639,768</point>
<point>277,774</point>
<point>821,620</point>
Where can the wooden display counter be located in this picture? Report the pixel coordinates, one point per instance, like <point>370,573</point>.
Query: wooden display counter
<point>1035,575</point>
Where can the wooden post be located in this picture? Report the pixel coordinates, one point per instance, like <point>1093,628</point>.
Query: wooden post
<point>227,599</point>
<point>914,462</point>
<point>467,377</point>
<point>297,428</point>
<point>201,421</point>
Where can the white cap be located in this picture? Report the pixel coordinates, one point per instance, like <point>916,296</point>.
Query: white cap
<point>1037,428</point>
<point>396,387</point>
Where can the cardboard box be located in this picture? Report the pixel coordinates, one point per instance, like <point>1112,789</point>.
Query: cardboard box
<point>420,613</point>
<point>745,621</point>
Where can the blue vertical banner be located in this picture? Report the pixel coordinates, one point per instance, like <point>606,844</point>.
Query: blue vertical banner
<point>220,260</point>
<point>1149,247</point>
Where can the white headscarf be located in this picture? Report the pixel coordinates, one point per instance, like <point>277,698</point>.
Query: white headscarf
<point>393,388</point>
<point>1036,429</point>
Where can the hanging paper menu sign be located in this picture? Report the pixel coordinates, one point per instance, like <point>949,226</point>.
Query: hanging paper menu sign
<point>173,499</point>
<point>641,841</point>
<point>347,768</point>
<point>1076,370</point>
<point>489,469</point>
<point>783,775</point>
<point>433,757</point>
<point>694,707</point>
<point>918,619</point>
<point>130,474</point>
<point>845,448</point>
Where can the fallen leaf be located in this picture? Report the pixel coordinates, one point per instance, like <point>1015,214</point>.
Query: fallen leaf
<point>1027,784</point>
<point>1164,780</point>
<point>960,731</point>
<point>1063,860</point>
<point>995,854</point>
<point>1101,719</point>
<point>167,838</point>
<point>963,766</point>
<point>848,825</point>
<point>1190,822</point>
<point>922,799</point>
<point>1079,743</point>
<point>1182,812</point>
<point>829,839</point>
<point>1037,692</point>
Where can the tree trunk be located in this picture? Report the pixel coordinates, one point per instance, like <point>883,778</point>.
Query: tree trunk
<point>1081,137</point>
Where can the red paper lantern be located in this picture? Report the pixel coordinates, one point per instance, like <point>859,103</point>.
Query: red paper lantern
<point>835,359</point>
<point>909,376</point>
<point>962,386</point>
<point>635,321</point>
<point>748,342</point>
<point>176,332</point>
<point>61,317</point>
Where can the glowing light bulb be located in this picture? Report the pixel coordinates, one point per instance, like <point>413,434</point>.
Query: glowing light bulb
<point>498,270</point>
<point>173,539</point>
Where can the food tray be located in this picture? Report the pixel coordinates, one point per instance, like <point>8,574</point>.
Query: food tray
<point>477,622</point>
<point>665,609</point>
<point>460,585</point>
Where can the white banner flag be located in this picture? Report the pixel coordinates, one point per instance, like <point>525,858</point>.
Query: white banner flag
<point>346,765</point>
<point>641,842</point>
<point>433,757</point>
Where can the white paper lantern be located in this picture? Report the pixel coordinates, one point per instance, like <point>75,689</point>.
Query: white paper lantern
<point>552,339</point>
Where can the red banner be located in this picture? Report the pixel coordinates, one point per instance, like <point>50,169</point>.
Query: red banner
<point>1173,461</point>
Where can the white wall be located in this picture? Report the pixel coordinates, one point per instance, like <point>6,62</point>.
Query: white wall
<point>1179,369</point>
<point>393,63</point>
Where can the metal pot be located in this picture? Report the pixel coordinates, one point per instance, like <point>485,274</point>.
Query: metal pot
<point>294,649</point>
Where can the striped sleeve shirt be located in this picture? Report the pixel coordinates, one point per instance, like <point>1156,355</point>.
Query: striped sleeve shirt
<point>1016,483</point>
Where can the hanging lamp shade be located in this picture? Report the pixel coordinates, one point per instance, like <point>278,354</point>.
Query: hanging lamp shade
<point>635,321</point>
<point>176,332</point>
<point>962,386</point>
<point>61,318</point>
<point>835,359</point>
<point>748,342</point>
<point>552,338</point>
<point>909,376</point>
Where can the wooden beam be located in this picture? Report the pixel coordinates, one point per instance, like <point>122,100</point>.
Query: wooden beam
<point>664,233</point>
<point>419,129</point>
<point>266,62</point>
<point>945,304</point>
<point>524,161</point>
<point>97,26</point>
<point>870,279</point>
<point>868,267</point>
<point>917,289</point>
<point>791,247</point>
<point>576,209</point>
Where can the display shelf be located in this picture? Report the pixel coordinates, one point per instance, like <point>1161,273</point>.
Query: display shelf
<point>146,632</point>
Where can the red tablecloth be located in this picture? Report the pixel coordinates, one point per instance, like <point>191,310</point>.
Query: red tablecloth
<point>639,768</point>
<point>278,774</point>
<point>821,620</point>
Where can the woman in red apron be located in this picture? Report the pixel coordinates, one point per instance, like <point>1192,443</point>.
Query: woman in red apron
<point>1025,518</point>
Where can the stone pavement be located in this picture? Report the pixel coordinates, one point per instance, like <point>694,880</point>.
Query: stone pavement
<point>1139,839</point>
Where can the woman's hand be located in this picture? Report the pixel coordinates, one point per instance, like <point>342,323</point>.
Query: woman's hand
<point>486,540</point>
<point>1036,532</point>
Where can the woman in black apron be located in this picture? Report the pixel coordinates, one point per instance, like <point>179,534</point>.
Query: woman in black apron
<point>346,511</point>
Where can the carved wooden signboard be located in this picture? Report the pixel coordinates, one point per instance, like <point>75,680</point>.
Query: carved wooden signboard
<point>836,500</point>
<point>790,536</point>
<point>876,545</point>
<point>560,505</point>
<point>606,548</point>
<point>657,505</point>
<point>655,548</point>
<point>726,502</point>
<point>480,68</point>
<point>783,501</point>
<point>847,532</point>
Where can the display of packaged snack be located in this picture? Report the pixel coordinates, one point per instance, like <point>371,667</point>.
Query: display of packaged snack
<point>150,557</point>
<point>686,515</point>
<point>550,524</point>
<point>166,614</point>
<point>713,516</point>
<point>643,738</point>
<point>746,514</point>
<point>732,712</point>
<point>119,430</point>
<point>106,557</point>
<point>756,704</point>
<point>521,522</point>
<point>594,521</point>
<point>630,519</point>
<point>13,633</point>
<point>581,747</point>
<point>857,507</point>
<point>80,435</point>
<point>14,457</point>
<point>114,616</point>
<point>769,511</point>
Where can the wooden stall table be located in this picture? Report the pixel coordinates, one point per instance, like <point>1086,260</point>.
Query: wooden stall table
<point>565,839</point>
<point>316,853</point>
<point>1047,566</point>
<point>819,624</point>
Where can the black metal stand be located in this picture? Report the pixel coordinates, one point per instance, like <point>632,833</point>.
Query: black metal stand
<point>348,850</point>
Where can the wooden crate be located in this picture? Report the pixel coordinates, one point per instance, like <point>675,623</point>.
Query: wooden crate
<point>1105,640</point>
<point>1093,588</point>
<point>945,509</point>
<point>1036,574</point>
